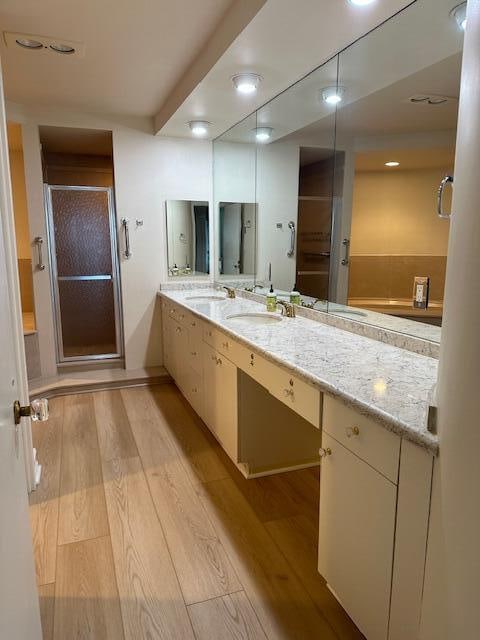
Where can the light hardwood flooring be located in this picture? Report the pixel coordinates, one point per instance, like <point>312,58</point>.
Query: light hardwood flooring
<point>144,529</point>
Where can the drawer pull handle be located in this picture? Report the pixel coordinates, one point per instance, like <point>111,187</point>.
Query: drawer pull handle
<point>288,393</point>
<point>194,390</point>
<point>352,431</point>
<point>291,382</point>
<point>219,361</point>
<point>252,363</point>
<point>323,453</point>
<point>193,353</point>
<point>194,324</point>
<point>225,345</point>
<point>177,329</point>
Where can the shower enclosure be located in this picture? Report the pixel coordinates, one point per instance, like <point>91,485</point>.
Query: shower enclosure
<point>84,272</point>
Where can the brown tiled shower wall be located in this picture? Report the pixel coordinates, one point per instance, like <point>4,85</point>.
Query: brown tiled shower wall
<point>391,277</point>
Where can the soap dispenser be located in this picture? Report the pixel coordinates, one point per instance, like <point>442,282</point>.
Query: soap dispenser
<point>295,295</point>
<point>271,300</point>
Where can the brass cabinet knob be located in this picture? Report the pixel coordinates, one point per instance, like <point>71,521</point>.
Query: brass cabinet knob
<point>225,345</point>
<point>291,382</point>
<point>193,353</point>
<point>324,452</point>
<point>288,392</point>
<point>352,431</point>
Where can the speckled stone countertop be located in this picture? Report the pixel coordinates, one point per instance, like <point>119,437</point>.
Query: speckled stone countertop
<point>386,383</point>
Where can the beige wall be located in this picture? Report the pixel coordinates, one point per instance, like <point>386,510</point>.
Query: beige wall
<point>20,205</point>
<point>394,213</point>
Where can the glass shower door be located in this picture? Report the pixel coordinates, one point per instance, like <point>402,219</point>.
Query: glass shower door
<point>84,270</point>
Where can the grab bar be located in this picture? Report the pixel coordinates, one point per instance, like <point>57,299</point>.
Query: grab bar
<point>441,189</point>
<point>291,251</point>
<point>127,253</point>
<point>346,244</point>
<point>40,264</point>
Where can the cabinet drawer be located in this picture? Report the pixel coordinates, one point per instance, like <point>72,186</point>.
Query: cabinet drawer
<point>297,394</point>
<point>364,437</point>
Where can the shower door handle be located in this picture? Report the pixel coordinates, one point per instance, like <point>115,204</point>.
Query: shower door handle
<point>441,189</point>
<point>127,253</point>
<point>40,263</point>
<point>346,244</point>
<point>291,251</point>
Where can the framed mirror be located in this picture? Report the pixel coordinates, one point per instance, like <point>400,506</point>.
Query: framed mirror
<point>188,238</point>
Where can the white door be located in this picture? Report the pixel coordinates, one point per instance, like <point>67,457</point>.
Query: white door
<point>19,610</point>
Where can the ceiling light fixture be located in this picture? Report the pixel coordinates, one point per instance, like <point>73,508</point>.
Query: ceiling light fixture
<point>392,163</point>
<point>246,82</point>
<point>262,134</point>
<point>199,128</point>
<point>459,14</point>
<point>62,48</point>
<point>333,95</point>
<point>361,3</point>
<point>26,43</point>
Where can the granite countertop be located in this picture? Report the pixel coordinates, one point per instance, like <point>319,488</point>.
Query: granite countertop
<point>391,385</point>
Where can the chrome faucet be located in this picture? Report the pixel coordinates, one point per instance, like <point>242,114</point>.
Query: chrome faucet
<point>230,292</point>
<point>288,309</point>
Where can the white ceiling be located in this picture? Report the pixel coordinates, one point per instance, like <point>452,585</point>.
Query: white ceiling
<point>135,51</point>
<point>284,41</point>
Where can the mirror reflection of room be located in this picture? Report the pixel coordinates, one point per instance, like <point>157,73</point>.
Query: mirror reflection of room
<point>188,238</point>
<point>395,235</point>
<point>237,230</point>
<point>397,125</point>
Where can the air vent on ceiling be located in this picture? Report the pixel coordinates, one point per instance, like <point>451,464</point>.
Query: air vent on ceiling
<point>430,100</point>
<point>44,44</point>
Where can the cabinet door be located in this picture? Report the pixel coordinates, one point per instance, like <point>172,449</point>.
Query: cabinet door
<point>209,385</point>
<point>226,414</point>
<point>356,537</point>
<point>179,355</point>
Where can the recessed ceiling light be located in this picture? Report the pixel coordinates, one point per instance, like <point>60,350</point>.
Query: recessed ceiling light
<point>392,163</point>
<point>459,14</point>
<point>62,48</point>
<point>262,134</point>
<point>26,43</point>
<point>360,3</point>
<point>246,82</point>
<point>333,95</point>
<point>199,127</point>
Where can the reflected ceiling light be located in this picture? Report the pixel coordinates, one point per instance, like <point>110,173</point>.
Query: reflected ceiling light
<point>199,128</point>
<point>333,95</point>
<point>27,43</point>
<point>392,163</point>
<point>262,134</point>
<point>459,14</point>
<point>62,48</point>
<point>246,82</point>
<point>360,3</point>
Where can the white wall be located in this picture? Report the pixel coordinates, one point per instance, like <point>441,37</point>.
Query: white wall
<point>148,171</point>
<point>277,196</point>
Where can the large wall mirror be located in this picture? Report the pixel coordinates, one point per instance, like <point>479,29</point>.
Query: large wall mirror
<point>396,126</point>
<point>344,168</point>
<point>234,189</point>
<point>188,238</point>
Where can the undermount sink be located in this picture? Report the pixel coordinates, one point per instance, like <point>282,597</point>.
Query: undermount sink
<point>206,297</point>
<point>256,318</point>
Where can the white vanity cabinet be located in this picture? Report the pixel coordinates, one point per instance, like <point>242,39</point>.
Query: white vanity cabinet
<point>356,536</point>
<point>373,525</point>
<point>220,392</point>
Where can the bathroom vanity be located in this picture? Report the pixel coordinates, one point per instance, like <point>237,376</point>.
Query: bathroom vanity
<point>276,392</point>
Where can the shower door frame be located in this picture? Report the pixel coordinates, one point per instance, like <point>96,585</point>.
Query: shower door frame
<point>57,317</point>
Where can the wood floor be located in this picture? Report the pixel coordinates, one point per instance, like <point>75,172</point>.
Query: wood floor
<point>143,528</point>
